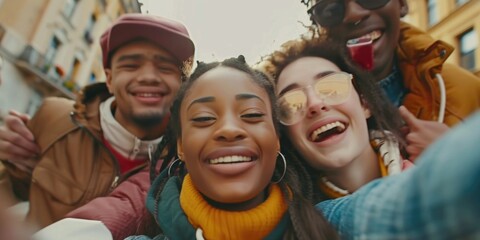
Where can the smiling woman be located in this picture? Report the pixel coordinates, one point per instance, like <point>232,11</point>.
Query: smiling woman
<point>238,186</point>
<point>329,127</point>
<point>342,124</point>
<point>228,138</point>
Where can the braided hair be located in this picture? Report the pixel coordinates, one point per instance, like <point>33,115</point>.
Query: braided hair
<point>305,221</point>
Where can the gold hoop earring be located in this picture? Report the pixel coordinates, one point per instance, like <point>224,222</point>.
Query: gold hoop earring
<point>284,169</point>
<point>177,160</point>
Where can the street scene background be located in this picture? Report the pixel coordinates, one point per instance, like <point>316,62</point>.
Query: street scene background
<point>50,47</point>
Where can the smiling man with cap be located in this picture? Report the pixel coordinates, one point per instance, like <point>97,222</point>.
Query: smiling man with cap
<point>109,134</point>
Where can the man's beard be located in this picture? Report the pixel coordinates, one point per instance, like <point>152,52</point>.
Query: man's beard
<point>148,120</point>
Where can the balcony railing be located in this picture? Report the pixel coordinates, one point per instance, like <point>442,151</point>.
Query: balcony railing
<point>35,63</point>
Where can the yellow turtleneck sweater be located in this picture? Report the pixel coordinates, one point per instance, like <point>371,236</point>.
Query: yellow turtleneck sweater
<point>255,223</point>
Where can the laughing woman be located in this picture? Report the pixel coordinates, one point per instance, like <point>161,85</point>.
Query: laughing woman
<point>238,186</point>
<point>327,114</point>
<point>347,132</point>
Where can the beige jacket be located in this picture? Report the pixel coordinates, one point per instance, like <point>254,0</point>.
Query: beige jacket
<point>75,167</point>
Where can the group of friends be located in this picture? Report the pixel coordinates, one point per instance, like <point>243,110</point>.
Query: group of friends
<point>306,145</point>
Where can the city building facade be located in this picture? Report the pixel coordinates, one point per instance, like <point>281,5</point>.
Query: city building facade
<point>456,22</point>
<point>51,48</point>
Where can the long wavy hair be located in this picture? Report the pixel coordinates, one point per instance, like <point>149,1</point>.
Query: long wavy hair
<point>385,116</point>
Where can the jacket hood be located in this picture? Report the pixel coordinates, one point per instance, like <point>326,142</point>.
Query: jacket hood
<point>90,92</point>
<point>86,109</point>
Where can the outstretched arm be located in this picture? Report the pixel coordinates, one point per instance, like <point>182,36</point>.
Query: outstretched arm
<point>437,199</point>
<point>121,211</point>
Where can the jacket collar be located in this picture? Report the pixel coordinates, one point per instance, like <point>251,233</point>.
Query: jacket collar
<point>167,210</point>
<point>416,46</point>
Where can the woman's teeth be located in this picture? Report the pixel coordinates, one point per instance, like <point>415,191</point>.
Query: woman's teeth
<point>230,159</point>
<point>340,128</point>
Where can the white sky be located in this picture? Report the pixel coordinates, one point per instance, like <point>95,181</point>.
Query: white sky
<point>226,28</point>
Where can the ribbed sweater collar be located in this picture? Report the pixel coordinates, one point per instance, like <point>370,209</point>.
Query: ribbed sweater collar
<point>255,223</point>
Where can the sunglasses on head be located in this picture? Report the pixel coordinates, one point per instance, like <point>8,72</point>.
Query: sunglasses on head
<point>328,13</point>
<point>333,89</point>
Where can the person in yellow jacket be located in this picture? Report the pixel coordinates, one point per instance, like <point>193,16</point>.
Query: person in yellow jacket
<point>408,64</point>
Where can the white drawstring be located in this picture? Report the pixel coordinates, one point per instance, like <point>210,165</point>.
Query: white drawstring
<point>443,97</point>
<point>150,150</point>
<point>136,148</point>
<point>199,234</point>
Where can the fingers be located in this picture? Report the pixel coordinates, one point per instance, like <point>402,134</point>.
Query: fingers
<point>28,167</point>
<point>408,117</point>
<point>16,141</point>
<point>17,124</point>
<point>418,139</point>
<point>405,130</point>
<point>413,152</point>
<point>416,145</point>
<point>25,117</point>
<point>12,152</point>
<point>407,164</point>
<point>427,133</point>
<point>17,145</point>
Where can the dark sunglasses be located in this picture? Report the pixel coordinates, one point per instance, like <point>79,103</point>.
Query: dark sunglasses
<point>328,13</point>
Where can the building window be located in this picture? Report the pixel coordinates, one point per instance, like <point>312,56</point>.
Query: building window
<point>88,35</point>
<point>52,50</point>
<point>432,12</point>
<point>460,2</point>
<point>34,102</point>
<point>69,8</point>
<point>75,69</point>
<point>468,44</point>
<point>93,78</point>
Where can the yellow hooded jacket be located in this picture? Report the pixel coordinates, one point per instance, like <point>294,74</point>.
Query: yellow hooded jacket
<point>426,75</point>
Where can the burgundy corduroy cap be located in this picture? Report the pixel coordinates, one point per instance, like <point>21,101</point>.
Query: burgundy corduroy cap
<point>167,33</point>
